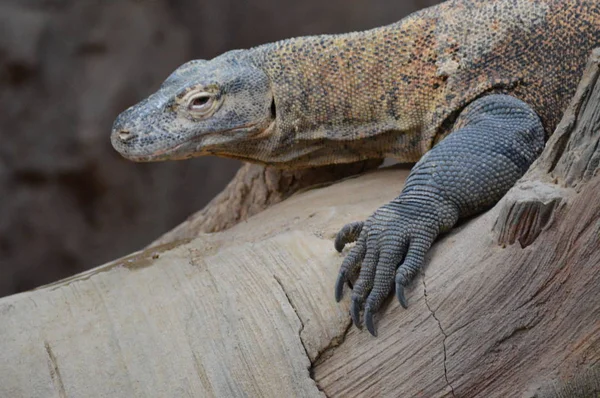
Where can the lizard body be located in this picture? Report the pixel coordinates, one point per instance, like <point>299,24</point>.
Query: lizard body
<point>386,92</point>
<point>496,74</point>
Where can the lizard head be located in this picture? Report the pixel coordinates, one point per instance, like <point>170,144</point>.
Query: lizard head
<point>204,107</point>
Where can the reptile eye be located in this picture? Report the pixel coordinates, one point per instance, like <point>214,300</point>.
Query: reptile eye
<point>201,104</point>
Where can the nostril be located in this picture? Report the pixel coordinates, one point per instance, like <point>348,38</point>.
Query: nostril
<point>125,135</point>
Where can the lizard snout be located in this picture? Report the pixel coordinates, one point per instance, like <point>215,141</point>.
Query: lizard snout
<point>120,130</point>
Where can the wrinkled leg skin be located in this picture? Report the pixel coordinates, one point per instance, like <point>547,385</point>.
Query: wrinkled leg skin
<point>495,140</point>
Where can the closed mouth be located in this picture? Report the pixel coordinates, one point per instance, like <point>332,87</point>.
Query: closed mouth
<point>174,149</point>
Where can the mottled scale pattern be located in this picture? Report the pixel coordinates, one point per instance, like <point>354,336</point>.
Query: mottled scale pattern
<point>415,76</point>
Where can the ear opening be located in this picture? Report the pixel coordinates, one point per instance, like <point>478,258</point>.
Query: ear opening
<point>273,109</point>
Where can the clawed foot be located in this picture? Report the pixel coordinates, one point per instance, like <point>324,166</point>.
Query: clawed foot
<point>390,249</point>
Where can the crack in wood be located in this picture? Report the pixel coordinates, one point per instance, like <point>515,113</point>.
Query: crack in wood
<point>55,372</point>
<point>310,368</point>
<point>443,333</point>
<point>334,343</point>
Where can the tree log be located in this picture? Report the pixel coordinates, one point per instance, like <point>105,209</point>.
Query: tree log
<point>253,189</point>
<point>250,311</point>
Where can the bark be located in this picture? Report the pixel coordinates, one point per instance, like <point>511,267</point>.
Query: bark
<point>250,311</point>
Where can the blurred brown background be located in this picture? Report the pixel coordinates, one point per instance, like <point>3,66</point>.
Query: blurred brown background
<point>68,202</point>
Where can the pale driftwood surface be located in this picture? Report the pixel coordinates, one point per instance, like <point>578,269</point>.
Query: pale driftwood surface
<point>255,188</point>
<point>237,313</point>
<point>240,313</point>
<point>250,311</point>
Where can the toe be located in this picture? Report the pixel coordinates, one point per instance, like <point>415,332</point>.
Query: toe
<point>383,283</point>
<point>350,267</point>
<point>348,234</point>
<point>413,262</point>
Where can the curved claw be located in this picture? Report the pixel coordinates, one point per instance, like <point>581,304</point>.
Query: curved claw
<point>339,286</point>
<point>369,322</point>
<point>400,295</point>
<point>339,243</point>
<point>355,313</point>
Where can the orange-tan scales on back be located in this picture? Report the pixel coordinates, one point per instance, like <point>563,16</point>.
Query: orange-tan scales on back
<point>470,87</point>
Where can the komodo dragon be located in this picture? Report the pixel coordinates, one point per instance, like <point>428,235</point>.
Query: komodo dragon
<point>472,88</point>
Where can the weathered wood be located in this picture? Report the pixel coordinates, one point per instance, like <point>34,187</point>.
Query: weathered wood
<point>250,311</point>
<point>494,322</point>
<point>255,188</point>
<point>571,157</point>
<point>237,313</point>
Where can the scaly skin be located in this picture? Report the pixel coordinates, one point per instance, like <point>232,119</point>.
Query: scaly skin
<point>501,137</point>
<point>503,70</point>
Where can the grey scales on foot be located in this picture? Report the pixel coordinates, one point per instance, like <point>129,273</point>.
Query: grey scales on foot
<point>467,172</point>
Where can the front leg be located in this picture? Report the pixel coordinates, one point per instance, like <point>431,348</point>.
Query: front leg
<point>495,141</point>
